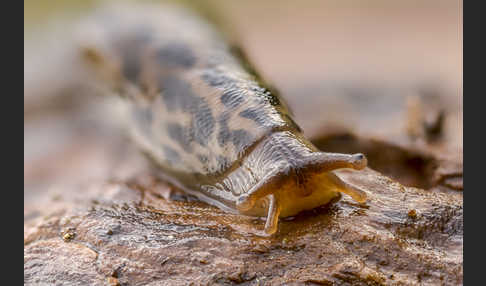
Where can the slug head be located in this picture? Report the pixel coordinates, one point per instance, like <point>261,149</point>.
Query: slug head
<point>304,185</point>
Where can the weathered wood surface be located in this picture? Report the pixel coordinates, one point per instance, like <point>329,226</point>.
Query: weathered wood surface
<point>127,232</point>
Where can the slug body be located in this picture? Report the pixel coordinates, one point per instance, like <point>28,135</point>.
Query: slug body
<point>209,124</point>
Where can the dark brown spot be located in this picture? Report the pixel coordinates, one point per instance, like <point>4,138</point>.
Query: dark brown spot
<point>203,159</point>
<point>241,139</point>
<point>143,118</point>
<point>176,55</point>
<point>180,135</point>
<point>216,78</point>
<point>264,95</point>
<point>256,115</point>
<point>233,97</point>
<point>131,49</point>
<point>171,154</point>
<point>272,99</point>
<point>202,122</point>
<point>177,93</point>
<point>224,134</point>
<point>131,67</point>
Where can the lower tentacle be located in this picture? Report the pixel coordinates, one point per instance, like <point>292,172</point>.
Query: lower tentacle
<point>348,189</point>
<point>271,224</point>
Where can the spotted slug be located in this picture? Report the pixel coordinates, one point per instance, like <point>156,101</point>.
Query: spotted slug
<point>206,120</point>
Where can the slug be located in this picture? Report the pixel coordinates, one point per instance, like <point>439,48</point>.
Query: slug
<point>208,123</point>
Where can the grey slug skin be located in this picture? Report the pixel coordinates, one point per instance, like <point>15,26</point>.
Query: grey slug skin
<point>202,118</point>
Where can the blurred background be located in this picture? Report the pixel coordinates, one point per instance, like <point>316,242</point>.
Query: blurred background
<point>367,67</point>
